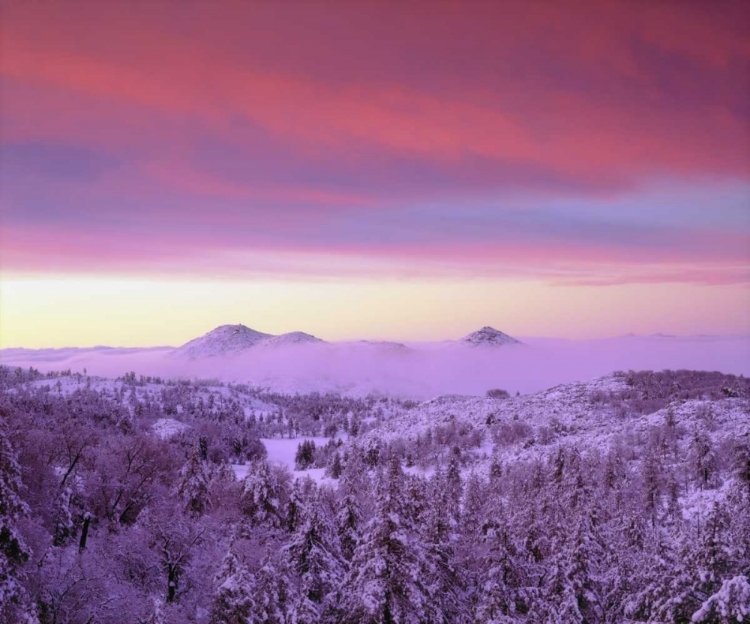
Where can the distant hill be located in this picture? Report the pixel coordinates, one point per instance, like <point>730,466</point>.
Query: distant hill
<point>490,337</point>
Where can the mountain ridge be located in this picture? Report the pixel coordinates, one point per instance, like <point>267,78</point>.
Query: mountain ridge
<point>236,339</point>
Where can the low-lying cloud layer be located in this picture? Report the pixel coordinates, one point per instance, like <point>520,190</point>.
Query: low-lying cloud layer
<point>421,371</point>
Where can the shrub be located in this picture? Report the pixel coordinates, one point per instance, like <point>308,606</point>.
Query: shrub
<point>497,393</point>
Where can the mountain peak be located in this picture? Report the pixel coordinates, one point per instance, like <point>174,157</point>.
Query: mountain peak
<point>234,339</point>
<point>489,336</point>
<point>223,340</point>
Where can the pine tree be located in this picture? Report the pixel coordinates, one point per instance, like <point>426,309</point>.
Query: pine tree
<point>314,555</point>
<point>731,603</point>
<point>415,498</point>
<point>13,550</point>
<point>499,594</point>
<point>474,506</point>
<point>455,485</point>
<point>651,478</point>
<point>555,601</point>
<point>194,486</point>
<point>741,462</point>
<point>703,560</point>
<point>273,595</point>
<point>294,507</point>
<point>390,576</point>
<point>261,496</point>
<point>336,467</point>
<point>584,555</point>
<point>348,524</point>
<point>440,537</point>
<point>702,458</point>
<point>496,475</point>
<point>233,602</point>
<point>64,526</point>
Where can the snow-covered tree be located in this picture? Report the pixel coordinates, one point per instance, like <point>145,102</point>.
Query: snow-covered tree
<point>349,525</point>
<point>730,604</point>
<point>64,523</point>
<point>261,496</point>
<point>273,595</point>
<point>294,507</point>
<point>13,550</point>
<point>440,537</point>
<point>500,588</point>
<point>455,486</point>
<point>233,599</point>
<point>314,555</point>
<point>702,458</point>
<point>555,601</point>
<point>390,579</point>
<point>474,507</point>
<point>194,487</point>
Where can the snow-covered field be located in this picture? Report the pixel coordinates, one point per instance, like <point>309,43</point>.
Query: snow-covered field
<point>281,451</point>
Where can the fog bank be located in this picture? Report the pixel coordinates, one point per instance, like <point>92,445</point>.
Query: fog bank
<point>419,371</point>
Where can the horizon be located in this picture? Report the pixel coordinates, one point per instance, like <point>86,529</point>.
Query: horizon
<point>529,340</point>
<point>372,170</point>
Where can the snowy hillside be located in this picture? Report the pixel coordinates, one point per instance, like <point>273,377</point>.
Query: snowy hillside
<point>621,499</point>
<point>292,338</point>
<point>592,416</point>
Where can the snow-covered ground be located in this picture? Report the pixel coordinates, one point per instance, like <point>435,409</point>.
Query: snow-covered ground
<point>165,428</point>
<point>282,451</point>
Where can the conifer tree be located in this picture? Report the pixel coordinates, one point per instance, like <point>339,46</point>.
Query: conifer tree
<point>390,579</point>
<point>455,485</point>
<point>13,550</point>
<point>499,590</point>
<point>64,524</point>
<point>233,602</point>
<point>273,595</point>
<point>194,486</point>
<point>314,555</point>
<point>702,458</point>
<point>349,525</point>
<point>440,537</point>
<point>261,496</point>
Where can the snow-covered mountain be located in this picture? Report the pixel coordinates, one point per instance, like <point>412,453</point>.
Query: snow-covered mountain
<point>488,336</point>
<point>292,338</point>
<point>235,339</point>
<point>224,340</point>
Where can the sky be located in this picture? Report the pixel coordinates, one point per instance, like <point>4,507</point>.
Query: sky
<point>372,169</point>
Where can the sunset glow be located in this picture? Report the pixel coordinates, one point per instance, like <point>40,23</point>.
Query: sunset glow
<point>372,169</point>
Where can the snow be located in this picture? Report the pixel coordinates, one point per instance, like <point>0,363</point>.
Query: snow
<point>282,451</point>
<point>165,428</point>
<point>230,340</point>
<point>731,601</point>
<point>291,338</point>
<point>572,416</point>
<point>224,340</point>
<point>585,417</point>
<point>489,336</point>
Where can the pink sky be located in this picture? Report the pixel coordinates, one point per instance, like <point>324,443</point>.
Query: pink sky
<point>576,149</point>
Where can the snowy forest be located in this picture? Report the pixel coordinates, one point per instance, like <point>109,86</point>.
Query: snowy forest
<point>151,501</point>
